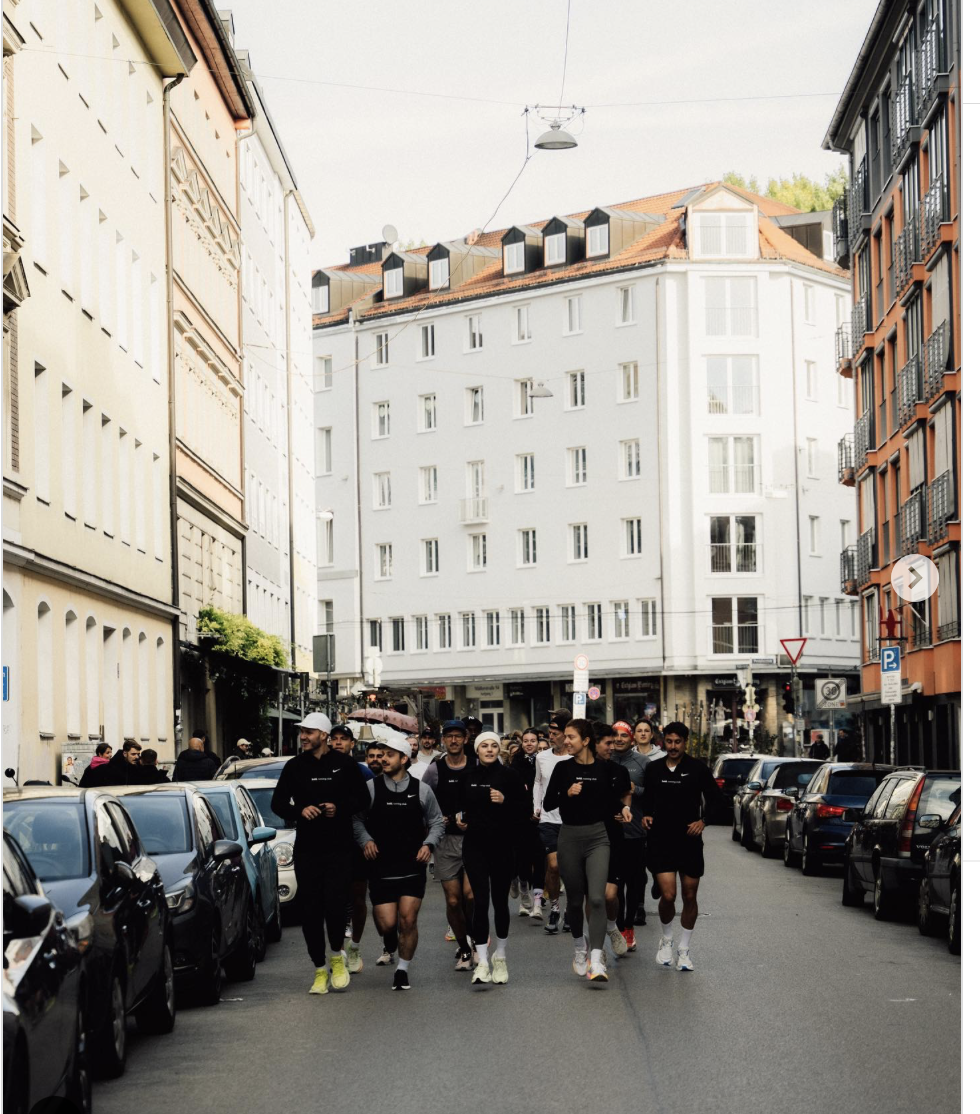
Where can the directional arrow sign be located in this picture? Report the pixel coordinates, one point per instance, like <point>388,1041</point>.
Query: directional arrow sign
<point>793,648</point>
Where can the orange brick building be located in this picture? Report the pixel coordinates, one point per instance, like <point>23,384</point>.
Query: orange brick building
<point>898,120</point>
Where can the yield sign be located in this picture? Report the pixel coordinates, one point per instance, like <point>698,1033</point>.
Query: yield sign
<point>793,648</point>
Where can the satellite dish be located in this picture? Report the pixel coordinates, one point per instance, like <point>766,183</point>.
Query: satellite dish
<point>390,233</point>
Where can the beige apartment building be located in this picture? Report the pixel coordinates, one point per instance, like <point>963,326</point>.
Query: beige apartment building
<point>88,613</point>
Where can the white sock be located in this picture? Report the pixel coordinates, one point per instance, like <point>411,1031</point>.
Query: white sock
<point>403,964</point>
<point>667,931</point>
<point>481,952</point>
<point>337,955</point>
<point>610,927</point>
<point>538,895</point>
<point>685,938</point>
<point>554,903</point>
<point>319,969</point>
<point>579,943</point>
<point>597,956</point>
<point>500,951</point>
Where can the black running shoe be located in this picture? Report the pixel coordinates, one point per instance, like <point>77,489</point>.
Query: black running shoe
<point>565,926</point>
<point>400,981</point>
<point>641,916</point>
<point>554,917</point>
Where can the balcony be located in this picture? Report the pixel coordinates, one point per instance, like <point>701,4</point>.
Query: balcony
<point>935,210</point>
<point>910,389</point>
<point>737,398</point>
<point>942,507</point>
<point>845,460</point>
<point>913,521</point>
<point>735,557</point>
<point>949,630</point>
<point>920,636</point>
<point>905,252</point>
<point>866,557</point>
<point>905,115</point>
<point>864,442</point>
<point>860,322</point>
<point>931,64</point>
<point>848,571</point>
<point>475,510</point>
<point>838,221</point>
<point>937,361</point>
<point>858,204</point>
<point>844,346</point>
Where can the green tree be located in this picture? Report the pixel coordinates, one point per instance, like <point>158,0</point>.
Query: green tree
<point>801,192</point>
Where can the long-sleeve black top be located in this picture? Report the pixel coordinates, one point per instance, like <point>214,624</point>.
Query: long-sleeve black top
<point>333,778</point>
<point>481,815</point>
<point>525,767</point>
<point>673,796</point>
<point>601,796</point>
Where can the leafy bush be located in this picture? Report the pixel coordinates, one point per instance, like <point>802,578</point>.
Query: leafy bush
<point>240,637</point>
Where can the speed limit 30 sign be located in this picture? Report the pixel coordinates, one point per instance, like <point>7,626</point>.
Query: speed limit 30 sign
<point>831,692</point>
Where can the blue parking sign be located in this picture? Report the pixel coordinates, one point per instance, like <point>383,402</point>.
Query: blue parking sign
<point>891,659</point>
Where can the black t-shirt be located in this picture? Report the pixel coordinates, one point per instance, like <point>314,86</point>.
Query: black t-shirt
<point>333,778</point>
<point>480,814</point>
<point>673,797</point>
<point>620,787</point>
<point>597,802</point>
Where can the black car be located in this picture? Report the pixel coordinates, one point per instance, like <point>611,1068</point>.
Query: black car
<point>205,879</point>
<point>818,825</point>
<point>85,850</point>
<point>939,888</point>
<point>43,996</point>
<point>750,788</point>
<point>884,852</point>
<point>730,773</point>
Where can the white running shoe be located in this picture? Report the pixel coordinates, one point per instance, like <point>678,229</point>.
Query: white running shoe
<point>383,959</point>
<point>349,931</point>
<point>580,962</point>
<point>500,974</point>
<point>514,888</point>
<point>482,974</point>
<point>665,952</point>
<point>537,913</point>
<point>619,945</point>
<point>355,962</point>
<point>597,970</point>
<point>684,960</point>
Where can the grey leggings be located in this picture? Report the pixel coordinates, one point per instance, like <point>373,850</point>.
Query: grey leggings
<point>583,863</point>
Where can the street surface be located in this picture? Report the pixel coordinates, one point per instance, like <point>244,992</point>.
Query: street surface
<point>793,996</point>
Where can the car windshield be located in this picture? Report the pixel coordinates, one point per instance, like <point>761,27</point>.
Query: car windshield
<point>263,799</point>
<point>161,821</point>
<point>273,770</point>
<point>940,796</point>
<point>226,813</point>
<point>792,773</point>
<point>855,783</point>
<point>734,767</point>
<point>52,835</point>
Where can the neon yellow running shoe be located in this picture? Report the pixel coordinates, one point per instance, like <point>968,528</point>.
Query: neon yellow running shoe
<point>339,975</point>
<point>320,985</point>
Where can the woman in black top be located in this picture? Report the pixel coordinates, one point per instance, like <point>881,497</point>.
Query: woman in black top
<point>585,793</point>
<point>495,808</point>
<point>530,852</point>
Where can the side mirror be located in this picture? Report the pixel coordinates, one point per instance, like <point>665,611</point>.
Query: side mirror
<point>262,835</point>
<point>930,820</point>
<point>27,916</point>
<point>756,785</point>
<point>793,791</point>
<point>124,874</point>
<point>223,849</point>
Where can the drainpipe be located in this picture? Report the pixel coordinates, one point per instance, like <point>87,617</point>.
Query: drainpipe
<point>289,430</point>
<point>658,294</point>
<point>357,502</point>
<point>244,129</point>
<point>796,460</point>
<point>172,408</point>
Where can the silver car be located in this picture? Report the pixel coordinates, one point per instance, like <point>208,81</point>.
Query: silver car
<point>766,814</point>
<point>261,790</point>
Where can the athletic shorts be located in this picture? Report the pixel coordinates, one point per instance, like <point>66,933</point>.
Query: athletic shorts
<point>448,859</point>
<point>387,891</point>
<point>358,865</point>
<point>548,834</point>
<point>676,854</point>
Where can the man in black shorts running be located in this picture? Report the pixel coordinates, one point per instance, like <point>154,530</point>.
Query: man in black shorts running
<point>673,817</point>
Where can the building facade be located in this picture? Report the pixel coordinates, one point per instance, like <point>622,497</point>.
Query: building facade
<point>898,120</point>
<point>88,603</point>
<point>612,434</point>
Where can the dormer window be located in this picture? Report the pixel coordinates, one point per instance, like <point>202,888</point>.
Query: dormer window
<point>554,249</point>
<point>321,293</point>
<point>723,235</point>
<point>514,258</point>
<point>438,274</point>
<point>597,240</point>
<point>394,282</point>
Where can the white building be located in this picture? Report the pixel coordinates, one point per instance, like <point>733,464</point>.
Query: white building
<point>277,338</point>
<point>672,509</point>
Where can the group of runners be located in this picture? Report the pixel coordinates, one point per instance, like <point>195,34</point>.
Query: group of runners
<point>583,814</point>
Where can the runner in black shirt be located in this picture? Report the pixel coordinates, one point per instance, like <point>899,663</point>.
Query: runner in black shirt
<point>673,816</point>
<point>616,880</point>
<point>530,854</point>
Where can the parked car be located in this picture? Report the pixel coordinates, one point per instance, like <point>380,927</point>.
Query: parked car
<point>44,1052</point>
<point>753,785</point>
<point>238,769</point>
<point>261,791</point>
<point>87,854</point>
<point>729,772</point>
<point>240,820</point>
<point>884,852</point>
<point>939,888</point>
<point>822,817</point>
<point>764,817</point>
<point>206,882</point>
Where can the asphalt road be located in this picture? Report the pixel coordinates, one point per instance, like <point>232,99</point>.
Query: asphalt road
<point>794,998</point>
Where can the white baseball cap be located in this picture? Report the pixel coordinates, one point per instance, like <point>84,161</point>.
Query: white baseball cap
<point>315,721</point>
<point>403,746</point>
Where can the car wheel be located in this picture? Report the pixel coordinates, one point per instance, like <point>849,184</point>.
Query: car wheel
<point>735,836</point>
<point>260,937</point>
<point>274,931</point>
<point>953,928</point>
<point>789,855</point>
<point>852,895</point>
<point>110,1040</point>
<point>925,918</point>
<point>768,851</point>
<point>159,1012</point>
<point>208,984</point>
<point>240,965</point>
<point>882,900</point>
<point>808,860</point>
<point>746,839</point>
<point>79,1090</point>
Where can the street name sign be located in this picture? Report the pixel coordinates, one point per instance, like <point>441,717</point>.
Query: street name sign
<point>891,675</point>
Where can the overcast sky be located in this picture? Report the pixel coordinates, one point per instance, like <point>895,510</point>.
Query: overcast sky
<point>436,168</point>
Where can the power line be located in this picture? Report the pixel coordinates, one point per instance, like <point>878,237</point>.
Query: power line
<point>564,67</point>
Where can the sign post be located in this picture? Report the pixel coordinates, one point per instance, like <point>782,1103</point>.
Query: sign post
<point>891,689</point>
<point>580,685</point>
<point>794,648</point>
<point>831,696</point>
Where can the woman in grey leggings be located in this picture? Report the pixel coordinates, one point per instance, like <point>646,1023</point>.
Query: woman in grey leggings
<point>583,792</point>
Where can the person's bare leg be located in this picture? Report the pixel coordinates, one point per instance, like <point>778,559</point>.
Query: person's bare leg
<point>408,929</point>
<point>552,879</point>
<point>689,895</point>
<point>612,901</point>
<point>455,911</point>
<point>668,896</point>
<point>385,918</point>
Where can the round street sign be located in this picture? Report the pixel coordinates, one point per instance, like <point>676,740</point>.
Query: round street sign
<point>581,661</point>
<point>595,692</point>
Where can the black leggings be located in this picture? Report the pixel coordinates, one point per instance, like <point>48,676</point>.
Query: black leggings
<point>490,868</point>
<point>530,857</point>
<point>632,882</point>
<point>323,884</point>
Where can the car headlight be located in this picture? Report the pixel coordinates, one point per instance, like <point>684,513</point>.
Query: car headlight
<point>283,853</point>
<point>81,928</point>
<point>182,900</point>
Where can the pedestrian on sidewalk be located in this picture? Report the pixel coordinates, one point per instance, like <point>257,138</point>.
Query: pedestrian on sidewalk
<point>103,752</point>
<point>123,768</point>
<point>148,760</point>
<point>195,763</point>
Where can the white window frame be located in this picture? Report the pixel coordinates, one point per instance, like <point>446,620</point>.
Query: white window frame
<point>382,491</point>
<point>812,381</point>
<point>522,324</point>
<point>381,424</point>
<point>621,620</point>
<point>573,315</point>
<point>555,249</point>
<point>428,414</point>
<point>809,304</point>
<point>523,399</point>
<point>430,557</point>
<point>735,626</point>
<point>444,632</point>
<point>629,381</point>
<point>527,547</point>
<point>734,398</point>
<point>475,401</point>
<point>474,332</point>
<point>321,298</point>
<point>428,484</point>
<point>632,538</point>
<point>575,398</point>
<point>324,374</point>
<point>731,470</point>
<point>523,473</point>
<point>597,240</point>
<point>732,546</point>
<point>593,622</point>
<point>467,623</point>
<point>421,625</point>
<point>648,618</point>
<point>516,627</point>
<point>324,451</point>
<point>514,253</point>
<point>491,630</point>
<point>567,626</point>
<point>542,626</point>
<point>578,543</point>
<point>722,326</point>
<point>477,553</point>
<point>427,341</point>
<point>814,535</point>
<point>394,287</point>
<point>440,281</point>
<point>812,457</point>
<point>324,543</point>
<point>629,457</point>
<point>578,468</point>
<point>381,351</point>
<point>382,568</point>
<point>398,635</point>
<point>626,305</point>
<point>726,230</point>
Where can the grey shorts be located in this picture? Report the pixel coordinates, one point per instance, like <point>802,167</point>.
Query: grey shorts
<point>448,859</point>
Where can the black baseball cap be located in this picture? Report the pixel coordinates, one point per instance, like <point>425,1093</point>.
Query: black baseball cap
<point>560,717</point>
<point>426,730</point>
<point>342,731</point>
<point>454,725</point>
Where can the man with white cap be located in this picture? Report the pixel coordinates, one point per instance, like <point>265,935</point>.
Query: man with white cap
<point>398,831</point>
<point>318,793</point>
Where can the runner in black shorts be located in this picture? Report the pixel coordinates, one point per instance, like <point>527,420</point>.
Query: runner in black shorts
<point>673,816</point>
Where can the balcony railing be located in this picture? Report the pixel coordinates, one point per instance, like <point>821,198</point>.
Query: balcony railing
<point>839,224</point>
<point>723,638</point>
<point>858,203</point>
<point>860,322</point>
<point>866,558</point>
<point>941,507</point>
<point>949,630</point>
<point>935,209</point>
<point>474,510</point>
<point>919,635</point>
<point>845,460</point>
<point>735,557</point>
<point>734,399</point>
<point>848,571</point>
<point>864,442</point>
<point>742,479</point>
<point>905,115</point>
<point>845,343</point>
<point>910,388</point>
<point>906,251</point>
<point>913,521</point>
<point>937,360</point>
<point>932,62</point>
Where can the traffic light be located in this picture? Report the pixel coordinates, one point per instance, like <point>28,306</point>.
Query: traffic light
<point>789,704</point>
